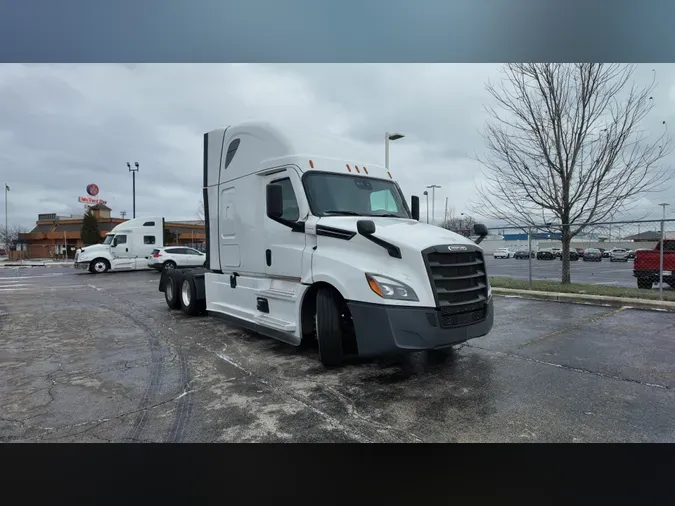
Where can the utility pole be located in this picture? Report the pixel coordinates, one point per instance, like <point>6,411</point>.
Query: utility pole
<point>433,200</point>
<point>133,175</point>
<point>445,219</point>
<point>426,194</point>
<point>123,214</point>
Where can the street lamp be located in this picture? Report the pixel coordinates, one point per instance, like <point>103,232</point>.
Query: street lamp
<point>433,200</point>
<point>133,176</point>
<point>663,236</point>
<point>426,194</point>
<point>390,136</point>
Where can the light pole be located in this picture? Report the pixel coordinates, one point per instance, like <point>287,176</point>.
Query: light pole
<point>133,176</point>
<point>6,222</point>
<point>426,194</point>
<point>123,214</point>
<point>389,136</point>
<point>433,200</point>
<point>663,236</point>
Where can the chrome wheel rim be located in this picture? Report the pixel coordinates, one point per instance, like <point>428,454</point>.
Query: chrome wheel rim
<point>185,293</point>
<point>99,267</point>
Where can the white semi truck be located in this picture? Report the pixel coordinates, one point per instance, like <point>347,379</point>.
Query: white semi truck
<point>126,247</point>
<point>307,240</point>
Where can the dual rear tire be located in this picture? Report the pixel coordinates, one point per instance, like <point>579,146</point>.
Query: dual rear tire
<point>181,293</point>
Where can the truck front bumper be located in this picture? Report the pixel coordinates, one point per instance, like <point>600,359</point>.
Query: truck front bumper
<point>82,265</point>
<point>382,329</point>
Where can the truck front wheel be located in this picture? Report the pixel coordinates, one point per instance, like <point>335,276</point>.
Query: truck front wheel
<point>99,266</point>
<point>645,284</point>
<point>329,328</point>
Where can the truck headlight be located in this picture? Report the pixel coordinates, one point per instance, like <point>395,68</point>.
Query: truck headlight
<point>489,289</point>
<point>389,288</point>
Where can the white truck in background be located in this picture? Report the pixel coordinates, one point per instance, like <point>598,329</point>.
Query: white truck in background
<point>307,240</point>
<point>126,247</point>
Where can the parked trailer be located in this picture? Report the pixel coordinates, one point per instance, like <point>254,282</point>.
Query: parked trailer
<point>307,240</point>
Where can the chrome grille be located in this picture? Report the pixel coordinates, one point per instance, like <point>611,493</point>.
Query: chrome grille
<point>459,283</point>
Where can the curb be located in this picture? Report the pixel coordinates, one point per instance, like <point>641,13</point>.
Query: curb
<point>603,300</point>
<point>42,264</point>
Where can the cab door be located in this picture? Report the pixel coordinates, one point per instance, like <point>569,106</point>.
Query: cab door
<point>120,253</point>
<point>285,237</point>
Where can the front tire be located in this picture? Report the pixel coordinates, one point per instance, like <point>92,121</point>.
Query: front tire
<point>99,266</point>
<point>329,328</point>
<point>645,284</point>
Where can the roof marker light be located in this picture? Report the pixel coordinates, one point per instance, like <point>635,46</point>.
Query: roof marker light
<point>365,170</point>
<point>389,175</point>
<point>349,168</point>
<point>311,164</point>
<point>357,169</point>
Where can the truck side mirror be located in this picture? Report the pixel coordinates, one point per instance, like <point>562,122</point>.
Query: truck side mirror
<point>480,229</point>
<point>415,207</point>
<point>275,201</point>
<point>365,227</point>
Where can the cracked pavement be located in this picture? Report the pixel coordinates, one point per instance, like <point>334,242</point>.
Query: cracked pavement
<point>99,358</point>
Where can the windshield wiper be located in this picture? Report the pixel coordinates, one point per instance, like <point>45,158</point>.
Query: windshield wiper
<point>387,215</point>
<point>344,213</point>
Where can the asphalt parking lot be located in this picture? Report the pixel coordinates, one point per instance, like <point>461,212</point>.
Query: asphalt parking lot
<point>594,273</point>
<point>87,358</point>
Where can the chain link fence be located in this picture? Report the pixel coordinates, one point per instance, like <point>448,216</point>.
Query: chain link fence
<point>636,254</point>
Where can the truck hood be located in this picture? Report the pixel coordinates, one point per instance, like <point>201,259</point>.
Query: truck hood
<point>400,232</point>
<point>94,248</point>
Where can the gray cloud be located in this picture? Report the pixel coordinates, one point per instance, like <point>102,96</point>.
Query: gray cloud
<point>65,126</point>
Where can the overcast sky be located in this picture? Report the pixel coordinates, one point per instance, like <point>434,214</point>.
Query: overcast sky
<point>65,126</point>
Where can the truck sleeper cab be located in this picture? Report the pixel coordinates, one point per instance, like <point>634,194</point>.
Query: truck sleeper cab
<point>126,247</point>
<point>305,240</point>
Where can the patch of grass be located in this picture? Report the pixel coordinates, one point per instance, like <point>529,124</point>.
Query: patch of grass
<point>556,286</point>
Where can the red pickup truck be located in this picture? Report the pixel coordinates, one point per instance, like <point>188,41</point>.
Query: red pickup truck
<point>646,266</point>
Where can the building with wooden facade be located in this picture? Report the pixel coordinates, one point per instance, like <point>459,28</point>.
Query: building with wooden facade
<point>54,234</point>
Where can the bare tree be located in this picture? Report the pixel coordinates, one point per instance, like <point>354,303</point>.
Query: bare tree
<point>566,140</point>
<point>10,236</point>
<point>200,210</point>
<point>462,224</point>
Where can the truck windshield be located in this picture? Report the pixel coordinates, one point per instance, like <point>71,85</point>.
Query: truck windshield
<point>108,239</point>
<point>337,194</point>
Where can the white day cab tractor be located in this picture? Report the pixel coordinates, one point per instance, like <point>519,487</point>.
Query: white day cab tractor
<point>307,240</point>
<point>126,247</point>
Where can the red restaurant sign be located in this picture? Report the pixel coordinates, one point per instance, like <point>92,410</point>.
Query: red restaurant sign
<point>90,200</point>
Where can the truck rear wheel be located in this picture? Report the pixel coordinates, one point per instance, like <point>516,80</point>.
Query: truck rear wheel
<point>171,293</point>
<point>99,266</point>
<point>645,284</point>
<point>189,302</point>
<point>329,328</point>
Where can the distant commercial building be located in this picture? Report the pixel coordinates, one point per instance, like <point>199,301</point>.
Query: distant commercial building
<point>54,234</point>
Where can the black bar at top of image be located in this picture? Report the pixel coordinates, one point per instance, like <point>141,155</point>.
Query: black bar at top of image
<point>345,31</point>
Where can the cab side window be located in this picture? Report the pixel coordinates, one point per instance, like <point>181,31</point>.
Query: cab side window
<point>121,239</point>
<point>291,209</point>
